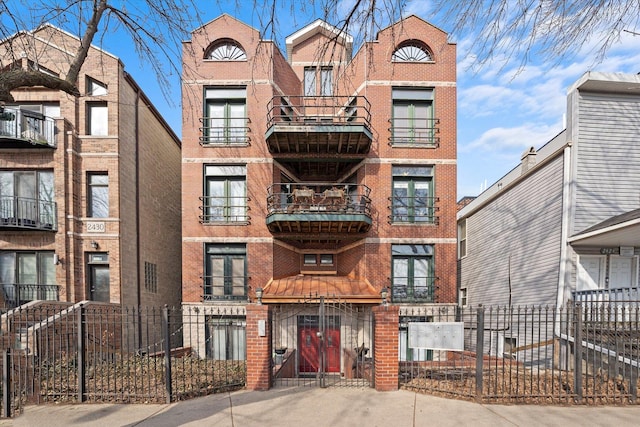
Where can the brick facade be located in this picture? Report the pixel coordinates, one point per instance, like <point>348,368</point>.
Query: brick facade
<point>267,76</point>
<point>139,153</point>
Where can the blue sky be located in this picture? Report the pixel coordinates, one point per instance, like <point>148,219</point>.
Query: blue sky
<point>502,108</point>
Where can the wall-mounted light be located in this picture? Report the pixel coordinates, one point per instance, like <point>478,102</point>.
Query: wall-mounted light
<point>384,293</point>
<point>56,259</point>
<point>259,296</point>
<point>94,244</point>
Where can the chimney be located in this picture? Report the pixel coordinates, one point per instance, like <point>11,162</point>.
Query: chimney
<point>528,159</point>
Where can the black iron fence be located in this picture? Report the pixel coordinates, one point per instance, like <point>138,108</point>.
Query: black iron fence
<point>575,354</point>
<point>105,353</point>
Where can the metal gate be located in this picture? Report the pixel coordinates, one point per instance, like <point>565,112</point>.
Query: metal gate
<point>324,343</point>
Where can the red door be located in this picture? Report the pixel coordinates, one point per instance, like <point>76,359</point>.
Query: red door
<point>310,346</point>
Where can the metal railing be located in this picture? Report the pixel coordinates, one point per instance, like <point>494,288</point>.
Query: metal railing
<point>27,125</point>
<point>224,131</point>
<point>224,209</point>
<point>224,288</point>
<point>314,198</point>
<point>319,110</point>
<point>413,289</point>
<point>16,294</point>
<point>531,354</point>
<point>615,295</point>
<point>414,209</point>
<point>94,352</point>
<point>422,132</point>
<point>23,212</point>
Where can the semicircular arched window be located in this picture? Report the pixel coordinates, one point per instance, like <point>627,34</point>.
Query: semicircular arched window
<point>226,50</point>
<point>412,51</point>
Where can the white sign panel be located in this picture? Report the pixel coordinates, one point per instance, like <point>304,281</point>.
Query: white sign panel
<point>436,335</point>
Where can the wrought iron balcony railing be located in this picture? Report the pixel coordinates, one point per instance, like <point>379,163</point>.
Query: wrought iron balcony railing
<point>217,131</point>
<point>224,288</point>
<point>314,198</point>
<point>16,294</point>
<point>413,289</point>
<point>319,110</point>
<point>418,133</point>
<point>28,126</point>
<point>414,210</point>
<point>220,210</point>
<point>22,212</point>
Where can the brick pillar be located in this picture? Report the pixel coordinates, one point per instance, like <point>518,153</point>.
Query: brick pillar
<point>258,347</point>
<point>386,328</point>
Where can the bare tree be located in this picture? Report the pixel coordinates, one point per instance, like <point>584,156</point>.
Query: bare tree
<point>155,29</point>
<point>555,30</point>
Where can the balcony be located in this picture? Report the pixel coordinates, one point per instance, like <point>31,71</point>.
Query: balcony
<point>25,213</point>
<point>224,288</point>
<point>311,133</point>
<point>413,210</point>
<point>326,211</point>
<point>17,294</point>
<point>420,133</point>
<point>224,210</point>
<point>26,129</point>
<point>216,132</point>
<point>413,289</point>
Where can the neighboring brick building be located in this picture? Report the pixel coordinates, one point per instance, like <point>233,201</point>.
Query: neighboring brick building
<point>315,184</point>
<point>89,185</point>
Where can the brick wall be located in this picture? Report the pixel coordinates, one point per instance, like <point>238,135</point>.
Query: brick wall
<point>386,321</point>
<point>258,348</point>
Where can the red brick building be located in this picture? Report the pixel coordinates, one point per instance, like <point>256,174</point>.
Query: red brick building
<point>89,185</point>
<point>315,184</point>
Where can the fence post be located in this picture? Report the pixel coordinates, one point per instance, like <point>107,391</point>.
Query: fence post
<point>167,352</point>
<point>81,356</point>
<point>577,352</point>
<point>479,351</point>
<point>6,383</point>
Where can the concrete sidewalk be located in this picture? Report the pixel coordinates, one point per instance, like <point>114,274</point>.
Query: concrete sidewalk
<point>316,407</point>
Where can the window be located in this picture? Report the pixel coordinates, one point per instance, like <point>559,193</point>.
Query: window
<point>225,272</point>
<point>311,77</point>
<point>27,276</point>
<point>150,277</point>
<point>226,338</point>
<point>27,199</point>
<point>96,88</point>
<point>412,51</point>
<point>412,117</point>
<point>463,297</point>
<point>225,197</point>
<point>412,273</point>
<point>412,200</point>
<point>315,259</point>
<point>225,116</point>
<point>226,50</point>
<point>98,193</point>
<point>97,119</point>
<point>462,238</point>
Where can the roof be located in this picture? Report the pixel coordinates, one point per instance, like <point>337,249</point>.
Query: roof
<point>594,81</point>
<point>303,287</point>
<point>619,230</point>
<point>316,27</point>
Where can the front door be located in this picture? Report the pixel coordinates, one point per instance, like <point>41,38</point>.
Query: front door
<point>98,275</point>
<point>312,347</point>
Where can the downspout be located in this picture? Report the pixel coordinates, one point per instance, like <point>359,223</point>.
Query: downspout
<point>564,232</point>
<point>137,189</point>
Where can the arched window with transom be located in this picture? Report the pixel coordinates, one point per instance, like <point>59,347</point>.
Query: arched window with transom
<point>226,50</point>
<point>412,51</point>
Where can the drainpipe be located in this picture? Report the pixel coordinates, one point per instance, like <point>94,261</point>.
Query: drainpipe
<point>138,254</point>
